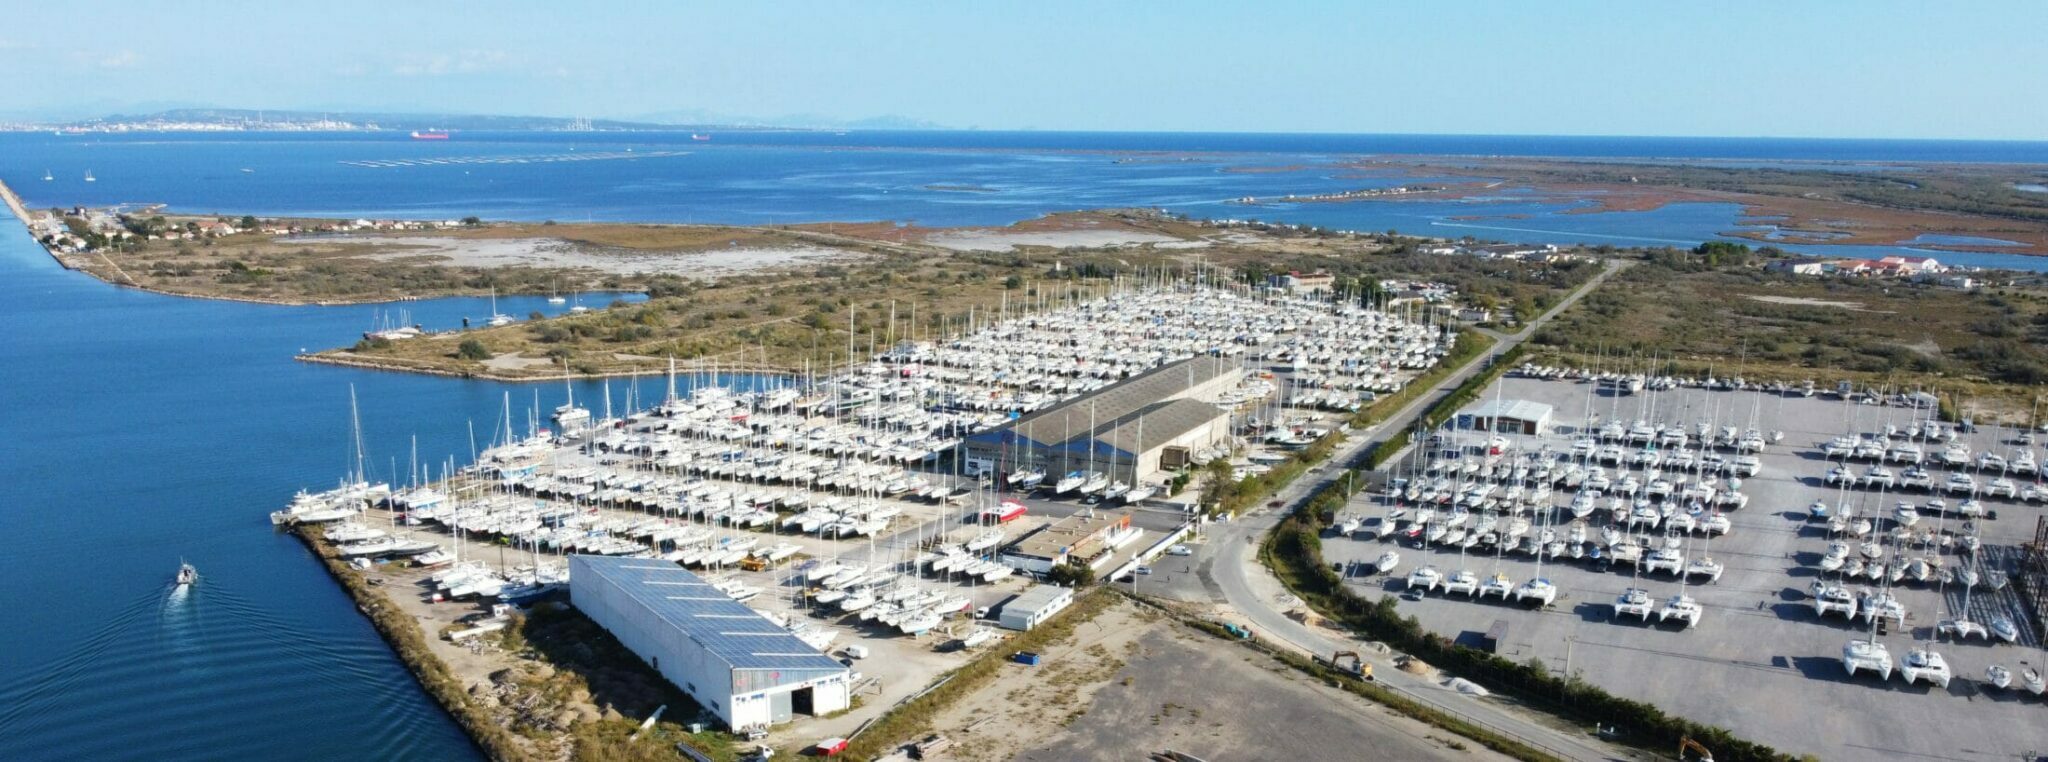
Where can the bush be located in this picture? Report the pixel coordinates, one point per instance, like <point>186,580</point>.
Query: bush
<point>472,349</point>
<point>1069,575</point>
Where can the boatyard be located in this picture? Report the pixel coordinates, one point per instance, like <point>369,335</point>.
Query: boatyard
<point>838,510</point>
<point>1729,552</point>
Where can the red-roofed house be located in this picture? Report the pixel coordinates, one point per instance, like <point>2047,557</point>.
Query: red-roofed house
<point>1914,265</point>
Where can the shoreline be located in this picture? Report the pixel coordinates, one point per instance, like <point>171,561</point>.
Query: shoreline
<point>401,633</point>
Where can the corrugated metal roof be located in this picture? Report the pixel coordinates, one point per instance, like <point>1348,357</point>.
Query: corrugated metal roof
<point>1112,407</point>
<point>723,627</point>
<point>1159,424</point>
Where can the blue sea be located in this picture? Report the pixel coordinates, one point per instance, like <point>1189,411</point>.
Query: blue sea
<point>143,429</point>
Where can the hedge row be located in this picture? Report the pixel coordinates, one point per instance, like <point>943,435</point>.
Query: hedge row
<point>1469,344</point>
<point>1435,416</point>
<point>1234,497</point>
<point>1294,551</point>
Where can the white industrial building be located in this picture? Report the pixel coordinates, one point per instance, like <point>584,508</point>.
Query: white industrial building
<point>1129,430</point>
<point>1032,607</point>
<point>747,670</point>
<point>1508,417</point>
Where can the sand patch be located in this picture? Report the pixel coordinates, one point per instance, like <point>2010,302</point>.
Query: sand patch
<point>554,253</point>
<point>1002,240</point>
<point>1800,301</point>
<point>514,361</point>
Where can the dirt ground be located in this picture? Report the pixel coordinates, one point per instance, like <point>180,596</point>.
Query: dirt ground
<point>1131,683</point>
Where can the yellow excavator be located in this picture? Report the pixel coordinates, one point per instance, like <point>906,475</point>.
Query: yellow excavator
<point>1686,743</point>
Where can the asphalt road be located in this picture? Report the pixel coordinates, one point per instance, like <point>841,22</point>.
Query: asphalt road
<point>1227,563</point>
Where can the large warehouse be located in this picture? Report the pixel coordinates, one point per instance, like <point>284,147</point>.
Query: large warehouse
<point>745,669</point>
<point>1129,430</point>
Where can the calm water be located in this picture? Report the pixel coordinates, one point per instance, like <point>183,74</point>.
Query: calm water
<point>147,428</point>
<point>816,176</point>
<point>150,428</point>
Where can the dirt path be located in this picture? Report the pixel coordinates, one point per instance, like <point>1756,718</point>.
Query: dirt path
<point>1131,683</point>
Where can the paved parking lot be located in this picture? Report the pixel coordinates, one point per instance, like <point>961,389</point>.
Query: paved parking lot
<point>1760,662</point>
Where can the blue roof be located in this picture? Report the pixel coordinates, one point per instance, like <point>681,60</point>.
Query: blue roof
<point>725,628</point>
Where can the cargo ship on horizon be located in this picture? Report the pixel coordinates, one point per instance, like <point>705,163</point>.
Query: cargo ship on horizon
<point>429,134</point>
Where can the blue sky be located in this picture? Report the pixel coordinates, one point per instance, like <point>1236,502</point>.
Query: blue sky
<point>1823,69</point>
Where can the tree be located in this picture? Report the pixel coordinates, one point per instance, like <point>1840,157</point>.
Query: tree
<point>1070,575</point>
<point>248,222</point>
<point>472,221</point>
<point>1013,282</point>
<point>472,349</point>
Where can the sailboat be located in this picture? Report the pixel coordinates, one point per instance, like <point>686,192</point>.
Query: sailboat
<point>1463,580</point>
<point>1922,663</point>
<point>88,176</point>
<point>47,176</point>
<point>1426,577</point>
<point>555,297</point>
<point>497,318</point>
<point>1537,587</point>
<point>1681,607</point>
<point>579,307</point>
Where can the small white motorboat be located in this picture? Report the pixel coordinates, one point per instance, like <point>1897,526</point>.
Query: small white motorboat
<point>1998,676</point>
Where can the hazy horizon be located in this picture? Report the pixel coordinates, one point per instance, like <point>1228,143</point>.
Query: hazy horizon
<point>1887,70</point>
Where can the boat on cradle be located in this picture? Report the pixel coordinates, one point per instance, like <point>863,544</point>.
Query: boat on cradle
<point>1683,608</point>
<point>350,531</point>
<point>1539,589</point>
<point>1998,676</point>
<point>1924,664</point>
<point>1462,582</point>
<point>1386,562</point>
<point>1425,579</point>
<point>1830,598</point>
<point>1635,602</point>
<point>1498,584</point>
<point>1867,656</point>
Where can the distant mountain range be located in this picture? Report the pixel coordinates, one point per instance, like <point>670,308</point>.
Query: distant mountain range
<point>255,119</point>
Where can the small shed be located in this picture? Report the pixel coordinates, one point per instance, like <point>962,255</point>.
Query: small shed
<point>1032,607</point>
